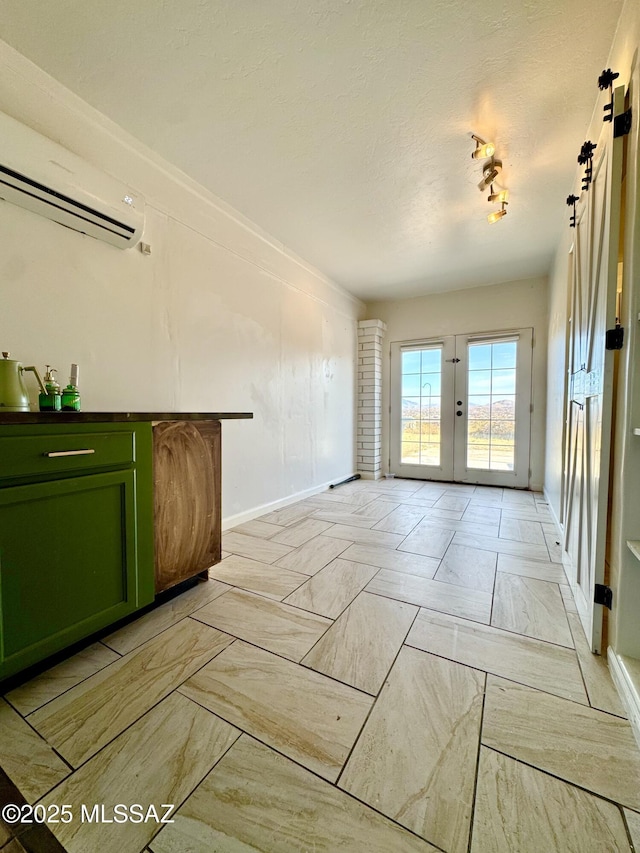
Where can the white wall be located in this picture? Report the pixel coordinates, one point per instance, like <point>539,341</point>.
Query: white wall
<point>220,317</point>
<point>624,569</point>
<point>510,305</point>
<point>555,379</point>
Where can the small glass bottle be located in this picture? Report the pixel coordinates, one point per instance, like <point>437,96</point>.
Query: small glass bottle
<point>71,395</point>
<point>52,400</point>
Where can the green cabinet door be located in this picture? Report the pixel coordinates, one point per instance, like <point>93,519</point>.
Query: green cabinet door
<point>68,563</point>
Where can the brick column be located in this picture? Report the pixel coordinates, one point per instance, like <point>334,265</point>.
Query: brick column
<point>369,420</point>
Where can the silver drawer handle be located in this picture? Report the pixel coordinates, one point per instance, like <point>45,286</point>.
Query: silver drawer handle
<point>53,453</point>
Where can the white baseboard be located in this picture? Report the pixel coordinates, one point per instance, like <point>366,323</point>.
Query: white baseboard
<point>628,686</point>
<point>556,520</point>
<point>256,512</point>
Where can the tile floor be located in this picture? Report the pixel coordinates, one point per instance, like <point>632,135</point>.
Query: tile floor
<point>390,666</point>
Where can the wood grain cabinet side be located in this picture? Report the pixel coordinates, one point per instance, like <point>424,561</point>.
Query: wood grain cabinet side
<point>187,499</point>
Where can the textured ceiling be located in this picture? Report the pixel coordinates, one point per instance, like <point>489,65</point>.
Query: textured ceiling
<point>341,127</point>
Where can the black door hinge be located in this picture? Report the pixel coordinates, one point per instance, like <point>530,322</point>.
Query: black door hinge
<point>622,124</point>
<point>614,338</point>
<point>603,595</point>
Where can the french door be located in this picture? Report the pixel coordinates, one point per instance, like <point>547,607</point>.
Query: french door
<point>461,408</point>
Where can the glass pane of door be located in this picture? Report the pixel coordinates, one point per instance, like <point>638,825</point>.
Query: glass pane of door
<point>491,418</point>
<point>421,397</point>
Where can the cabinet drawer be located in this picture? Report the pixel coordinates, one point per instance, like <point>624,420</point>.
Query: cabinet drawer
<point>24,456</point>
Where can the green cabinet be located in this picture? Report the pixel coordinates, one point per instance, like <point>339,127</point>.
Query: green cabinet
<point>76,534</point>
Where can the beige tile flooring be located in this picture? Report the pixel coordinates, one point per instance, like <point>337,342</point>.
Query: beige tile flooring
<point>388,666</point>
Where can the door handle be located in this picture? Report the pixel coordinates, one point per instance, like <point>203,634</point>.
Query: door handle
<point>53,453</point>
<point>459,412</point>
<point>459,403</point>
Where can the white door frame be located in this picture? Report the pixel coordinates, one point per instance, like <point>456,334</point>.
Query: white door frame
<point>519,477</point>
<point>453,428</point>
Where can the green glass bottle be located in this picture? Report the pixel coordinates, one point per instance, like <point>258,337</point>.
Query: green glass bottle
<point>52,400</point>
<point>71,395</point>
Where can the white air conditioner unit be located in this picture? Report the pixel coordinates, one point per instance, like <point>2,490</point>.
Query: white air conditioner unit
<point>44,177</point>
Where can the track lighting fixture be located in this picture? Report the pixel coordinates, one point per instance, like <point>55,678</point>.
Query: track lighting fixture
<point>483,149</point>
<point>490,172</point>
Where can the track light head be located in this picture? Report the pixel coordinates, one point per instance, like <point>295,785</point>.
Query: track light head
<point>490,173</point>
<point>501,197</point>
<point>496,215</point>
<point>483,149</point>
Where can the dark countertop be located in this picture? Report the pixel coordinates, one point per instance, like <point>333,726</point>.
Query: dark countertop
<point>16,418</point>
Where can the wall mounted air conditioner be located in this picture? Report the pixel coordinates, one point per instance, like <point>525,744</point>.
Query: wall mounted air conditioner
<point>44,177</point>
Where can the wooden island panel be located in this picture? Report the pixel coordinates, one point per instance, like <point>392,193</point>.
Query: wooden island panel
<point>187,499</point>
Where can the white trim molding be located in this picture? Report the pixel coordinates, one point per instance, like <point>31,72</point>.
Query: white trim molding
<point>625,672</point>
<point>242,517</point>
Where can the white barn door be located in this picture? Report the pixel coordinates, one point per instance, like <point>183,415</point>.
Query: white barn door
<point>590,379</point>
